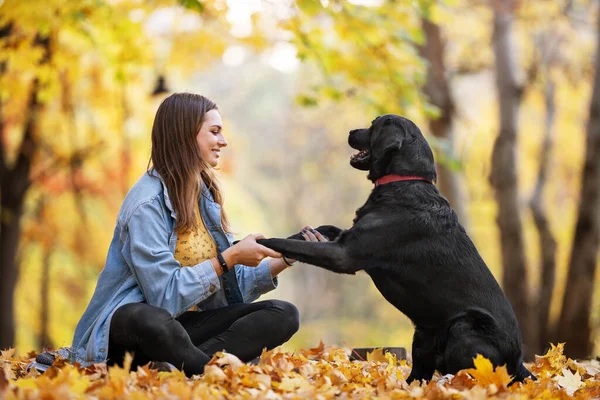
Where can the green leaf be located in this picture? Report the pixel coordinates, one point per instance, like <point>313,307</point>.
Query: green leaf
<point>310,7</point>
<point>306,101</point>
<point>192,5</point>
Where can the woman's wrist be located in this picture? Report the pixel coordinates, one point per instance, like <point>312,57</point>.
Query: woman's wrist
<point>230,256</point>
<point>216,266</point>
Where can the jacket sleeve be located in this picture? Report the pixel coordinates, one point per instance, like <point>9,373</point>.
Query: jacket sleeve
<point>164,283</point>
<point>255,281</point>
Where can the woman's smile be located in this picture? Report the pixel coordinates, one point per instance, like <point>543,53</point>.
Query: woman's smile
<point>210,138</point>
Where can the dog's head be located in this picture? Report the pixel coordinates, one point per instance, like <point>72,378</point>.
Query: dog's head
<point>392,145</point>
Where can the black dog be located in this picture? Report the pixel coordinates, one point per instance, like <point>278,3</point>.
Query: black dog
<point>409,240</point>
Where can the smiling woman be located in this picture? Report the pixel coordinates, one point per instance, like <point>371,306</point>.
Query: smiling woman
<point>210,138</point>
<point>175,288</point>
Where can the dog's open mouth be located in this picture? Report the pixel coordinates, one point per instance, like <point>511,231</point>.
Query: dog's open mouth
<point>360,156</point>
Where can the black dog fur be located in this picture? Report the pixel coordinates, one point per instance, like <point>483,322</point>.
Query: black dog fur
<point>408,239</point>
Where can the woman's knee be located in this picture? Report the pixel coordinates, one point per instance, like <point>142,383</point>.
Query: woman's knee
<point>288,317</point>
<point>144,320</point>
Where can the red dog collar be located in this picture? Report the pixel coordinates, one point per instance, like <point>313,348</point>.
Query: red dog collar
<point>397,178</point>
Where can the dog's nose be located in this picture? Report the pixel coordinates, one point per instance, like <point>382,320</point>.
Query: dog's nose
<point>353,131</point>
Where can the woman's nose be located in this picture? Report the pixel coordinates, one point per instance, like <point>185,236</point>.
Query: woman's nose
<point>222,141</point>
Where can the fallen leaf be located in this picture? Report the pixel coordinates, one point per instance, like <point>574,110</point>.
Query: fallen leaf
<point>552,363</point>
<point>226,360</point>
<point>214,374</point>
<point>314,353</point>
<point>376,355</point>
<point>569,381</point>
<point>292,384</point>
<point>485,375</point>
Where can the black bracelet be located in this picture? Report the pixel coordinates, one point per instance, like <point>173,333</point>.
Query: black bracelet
<point>287,262</point>
<point>222,262</point>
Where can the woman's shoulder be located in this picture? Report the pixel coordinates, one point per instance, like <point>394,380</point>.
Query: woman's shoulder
<point>147,190</point>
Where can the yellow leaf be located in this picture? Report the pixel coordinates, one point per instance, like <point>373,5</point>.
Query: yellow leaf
<point>177,375</point>
<point>485,374</point>
<point>27,383</point>
<point>552,363</point>
<point>292,384</point>
<point>376,355</point>
<point>7,354</point>
<point>391,360</point>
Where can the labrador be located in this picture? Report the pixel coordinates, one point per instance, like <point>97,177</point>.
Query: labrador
<point>408,239</point>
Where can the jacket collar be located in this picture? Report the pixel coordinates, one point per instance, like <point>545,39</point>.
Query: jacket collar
<point>204,193</point>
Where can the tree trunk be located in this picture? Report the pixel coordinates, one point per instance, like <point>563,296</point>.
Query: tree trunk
<point>503,177</point>
<point>44,338</point>
<point>13,187</point>
<point>437,89</point>
<point>9,239</point>
<point>547,241</point>
<point>574,326</point>
<point>14,183</point>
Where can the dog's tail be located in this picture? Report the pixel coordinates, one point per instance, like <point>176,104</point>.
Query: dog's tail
<point>523,373</point>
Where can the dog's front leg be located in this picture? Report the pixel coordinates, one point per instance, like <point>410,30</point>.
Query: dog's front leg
<point>328,255</point>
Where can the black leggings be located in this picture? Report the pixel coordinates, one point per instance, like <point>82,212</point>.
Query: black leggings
<point>190,340</point>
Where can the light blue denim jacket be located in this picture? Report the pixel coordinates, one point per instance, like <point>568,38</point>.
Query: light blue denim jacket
<point>140,267</point>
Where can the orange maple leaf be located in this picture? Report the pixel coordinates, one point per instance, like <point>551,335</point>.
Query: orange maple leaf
<point>485,374</point>
<point>314,353</point>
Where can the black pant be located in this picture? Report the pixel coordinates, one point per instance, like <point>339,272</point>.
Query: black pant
<point>190,340</point>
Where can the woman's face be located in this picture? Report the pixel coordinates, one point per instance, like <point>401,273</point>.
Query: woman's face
<point>210,138</point>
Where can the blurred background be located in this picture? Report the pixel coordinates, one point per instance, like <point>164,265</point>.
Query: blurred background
<point>504,90</point>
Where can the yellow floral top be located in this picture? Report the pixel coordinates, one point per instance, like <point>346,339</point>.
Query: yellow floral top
<point>194,246</point>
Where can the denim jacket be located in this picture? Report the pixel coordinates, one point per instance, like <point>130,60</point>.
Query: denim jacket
<point>140,267</point>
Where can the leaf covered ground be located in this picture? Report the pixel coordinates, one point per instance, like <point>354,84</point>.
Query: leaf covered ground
<point>319,373</point>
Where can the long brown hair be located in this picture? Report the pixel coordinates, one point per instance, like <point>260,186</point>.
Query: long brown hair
<point>176,156</point>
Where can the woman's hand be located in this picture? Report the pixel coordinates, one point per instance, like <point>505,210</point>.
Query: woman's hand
<point>311,235</point>
<point>248,252</point>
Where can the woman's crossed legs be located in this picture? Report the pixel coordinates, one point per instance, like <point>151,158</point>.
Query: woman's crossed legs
<point>190,340</point>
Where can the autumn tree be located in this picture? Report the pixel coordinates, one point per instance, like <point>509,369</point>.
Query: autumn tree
<point>503,176</point>
<point>62,65</point>
<point>575,320</point>
<point>547,63</point>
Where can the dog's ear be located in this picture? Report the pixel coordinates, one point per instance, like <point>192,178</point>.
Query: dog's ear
<point>387,140</point>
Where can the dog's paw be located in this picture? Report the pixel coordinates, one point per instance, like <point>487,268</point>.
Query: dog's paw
<point>330,231</point>
<point>297,236</point>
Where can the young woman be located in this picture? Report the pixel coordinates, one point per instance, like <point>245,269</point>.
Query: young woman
<point>174,288</point>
